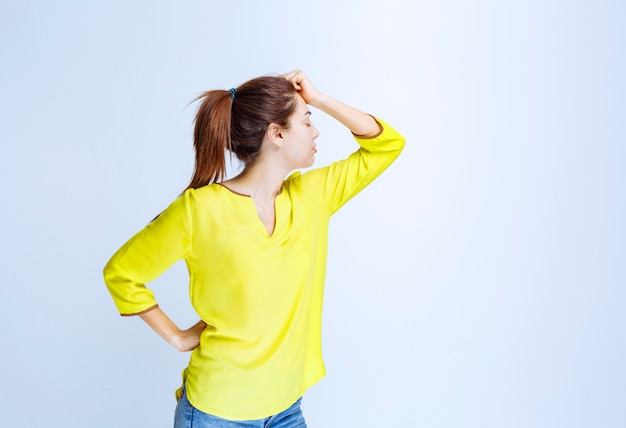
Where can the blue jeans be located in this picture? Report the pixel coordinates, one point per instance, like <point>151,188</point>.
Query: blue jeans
<point>188,416</point>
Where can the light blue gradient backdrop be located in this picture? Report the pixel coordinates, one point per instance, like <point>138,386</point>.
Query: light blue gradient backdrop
<point>478,283</point>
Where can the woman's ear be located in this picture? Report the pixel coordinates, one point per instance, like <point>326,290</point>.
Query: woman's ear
<point>274,134</point>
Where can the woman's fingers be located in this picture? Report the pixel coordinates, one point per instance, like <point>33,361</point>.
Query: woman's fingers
<point>296,77</point>
<point>302,84</point>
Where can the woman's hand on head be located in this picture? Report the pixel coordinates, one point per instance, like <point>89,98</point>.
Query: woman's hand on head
<point>303,85</point>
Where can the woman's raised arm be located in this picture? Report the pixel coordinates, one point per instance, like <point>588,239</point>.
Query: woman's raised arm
<point>361,124</point>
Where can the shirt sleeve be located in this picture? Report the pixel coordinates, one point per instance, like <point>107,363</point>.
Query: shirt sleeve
<point>337,183</point>
<point>147,255</point>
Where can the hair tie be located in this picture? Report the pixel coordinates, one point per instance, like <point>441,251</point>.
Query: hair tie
<point>233,91</point>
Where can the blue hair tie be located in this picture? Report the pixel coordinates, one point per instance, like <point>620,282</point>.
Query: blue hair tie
<point>233,91</point>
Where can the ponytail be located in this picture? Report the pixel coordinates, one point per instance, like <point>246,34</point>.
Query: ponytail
<point>235,120</point>
<point>211,137</point>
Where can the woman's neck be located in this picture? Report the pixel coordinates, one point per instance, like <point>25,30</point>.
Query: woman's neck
<point>260,183</point>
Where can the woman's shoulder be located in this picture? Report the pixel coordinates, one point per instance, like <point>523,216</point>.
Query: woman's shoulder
<point>204,191</point>
<point>304,183</point>
<point>205,195</point>
<point>294,181</point>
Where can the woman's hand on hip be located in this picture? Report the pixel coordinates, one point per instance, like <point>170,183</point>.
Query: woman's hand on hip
<point>183,340</point>
<point>189,339</point>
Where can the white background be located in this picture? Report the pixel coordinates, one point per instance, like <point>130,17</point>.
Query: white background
<point>478,283</point>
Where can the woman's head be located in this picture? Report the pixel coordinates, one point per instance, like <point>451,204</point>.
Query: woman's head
<point>237,120</point>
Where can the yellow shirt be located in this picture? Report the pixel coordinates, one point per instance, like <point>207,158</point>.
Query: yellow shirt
<point>260,295</point>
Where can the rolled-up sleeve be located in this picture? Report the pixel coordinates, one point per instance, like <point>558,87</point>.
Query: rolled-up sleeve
<point>339,182</point>
<point>149,253</point>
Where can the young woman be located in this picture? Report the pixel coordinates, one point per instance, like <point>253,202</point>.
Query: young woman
<point>255,247</point>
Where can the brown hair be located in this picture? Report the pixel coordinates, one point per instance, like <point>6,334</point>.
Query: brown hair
<point>236,121</point>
